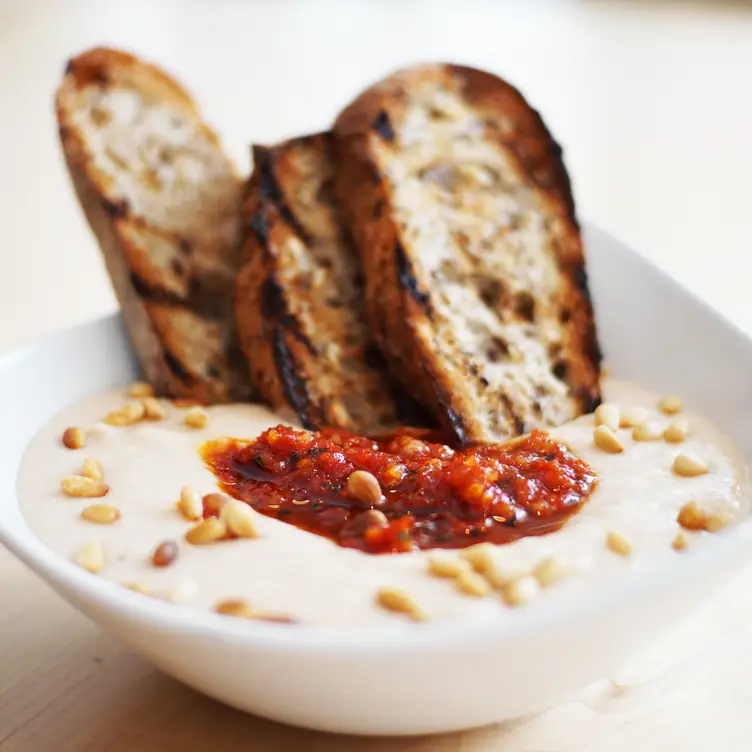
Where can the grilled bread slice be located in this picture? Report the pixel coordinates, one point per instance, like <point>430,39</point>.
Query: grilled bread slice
<point>459,202</point>
<point>299,298</point>
<point>163,201</point>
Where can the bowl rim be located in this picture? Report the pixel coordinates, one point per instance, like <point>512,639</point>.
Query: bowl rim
<point>722,549</point>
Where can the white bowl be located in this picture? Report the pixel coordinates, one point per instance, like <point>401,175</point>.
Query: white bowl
<point>433,677</point>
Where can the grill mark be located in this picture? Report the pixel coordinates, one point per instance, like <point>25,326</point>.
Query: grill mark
<point>382,126</point>
<point>274,308</point>
<point>116,209</point>
<point>270,189</point>
<point>293,386</point>
<point>177,368</point>
<point>519,424</point>
<point>407,280</point>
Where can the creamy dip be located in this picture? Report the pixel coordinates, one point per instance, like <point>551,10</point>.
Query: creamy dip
<point>287,570</point>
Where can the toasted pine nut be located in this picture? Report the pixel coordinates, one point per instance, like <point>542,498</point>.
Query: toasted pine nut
<point>165,553</point>
<point>520,591</point>
<point>101,514</point>
<point>239,518</point>
<point>339,415</point>
<point>186,402</point>
<point>670,405</point>
<point>692,516</point>
<point>471,583</point>
<point>213,503</point>
<point>618,543</point>
<point>479,556</point>
<point>393,599</point>
<point>128,414</point>
<point>190,505</point>
<point>446,566</point>
<point>235,607</point>
<point>91,557</point>
<point>649,431</point>
<point>74,438</point>
<point>276,618</point>
<point>82,487</point>
<point>550,570</point>
<point>689,465</point>
<point>364,487</point>
<point>153,409</point>
<point>209,530</point>
<point>680,542</point>
<point>633,417</point>
<point>197,417</point>
<point>676,432</point>
<point>93,469</point>
<point>607,415</point>
<point>605,439</point>
<point>140,389</point>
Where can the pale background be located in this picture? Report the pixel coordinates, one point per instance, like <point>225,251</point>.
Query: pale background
<point>652,104</point>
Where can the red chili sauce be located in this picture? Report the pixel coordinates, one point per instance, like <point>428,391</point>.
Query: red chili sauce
<point>432,496</point>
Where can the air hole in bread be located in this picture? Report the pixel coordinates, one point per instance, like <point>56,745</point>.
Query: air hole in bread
<point>565,316</point>
<point>491,291</point>
<point>497,349</point>
<point>178,266</point>
<point>525,306</point>
<point>560,369</point>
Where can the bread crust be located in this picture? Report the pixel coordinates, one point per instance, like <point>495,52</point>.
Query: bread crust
<point>298,299</point>
<point>379,137</point>
<point>172,265</point>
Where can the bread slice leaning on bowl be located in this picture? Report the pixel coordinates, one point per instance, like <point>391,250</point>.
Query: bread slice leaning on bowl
<point>459,202</point>
<point>163,201</point>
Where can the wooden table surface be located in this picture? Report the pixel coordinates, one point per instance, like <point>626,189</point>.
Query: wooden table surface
<point>651,101</point>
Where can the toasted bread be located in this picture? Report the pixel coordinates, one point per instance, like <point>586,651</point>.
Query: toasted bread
<point>163,201</point>
<point>299,298</point>
<point>458,199</point>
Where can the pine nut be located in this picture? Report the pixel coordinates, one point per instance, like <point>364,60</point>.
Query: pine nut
<point>479,556</point>
<point>137,587</point>
<point>364,487</point>
<point>74,438</point>
<point>186,590</point>
<point>239,518</point>
<point>605,439</point>
<point>197,417</point>
<point>93,469</point>
<point>676,432</point>
<point>393,599</point>
<point>128,414</point>
<point>471,583</point>
<point>276,618</point>
<point>618,543</point>
<point>140,389</point>
<point>633,417</point>
<point>691,516</point>
<point>154,409</point>
<point>91,557</point>
<point>213,502</point>
<point>190,505</point>
<point>498,577</point>
<point>716,522</point>
<point>445,566</point>
<point>650,431</point>
<point>680,542</point>
<point>235,607</point>
<point>607,415</point>
<point>207,531</point>
<point>101,514</point>
<point>670,405</point>
<point>689,465</point>
<point>82,487</point>
<point>165,553</point>
<point>520,591</point>
<point>550,570</point>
